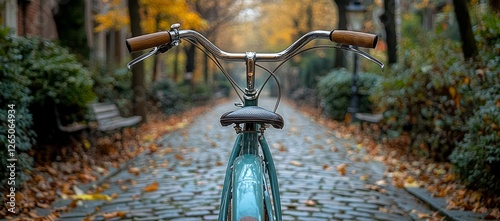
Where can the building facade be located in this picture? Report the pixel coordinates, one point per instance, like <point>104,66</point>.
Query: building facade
<point>36,18</point>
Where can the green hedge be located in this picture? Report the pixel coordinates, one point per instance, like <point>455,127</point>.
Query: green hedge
<point>113,85</point>
<point>453,104</point>
<point>167,96</point>
<point>14,89</point>
<point>434,88</point>
<point>477,156</point>
<point>335,92</point>
<point>172,98</point>
<point>38,75</point>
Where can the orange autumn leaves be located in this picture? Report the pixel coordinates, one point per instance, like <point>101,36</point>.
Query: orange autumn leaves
<point>155,15</point>
<point>151,187</point>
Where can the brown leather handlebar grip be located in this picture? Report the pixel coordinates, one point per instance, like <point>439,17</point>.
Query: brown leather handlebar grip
<point>148,41</point>
<point>355,38</point>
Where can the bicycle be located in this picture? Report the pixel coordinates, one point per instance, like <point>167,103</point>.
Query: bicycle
<point>250,178</point>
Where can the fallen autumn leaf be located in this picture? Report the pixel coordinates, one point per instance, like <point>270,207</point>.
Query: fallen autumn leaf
<point>151,187</point>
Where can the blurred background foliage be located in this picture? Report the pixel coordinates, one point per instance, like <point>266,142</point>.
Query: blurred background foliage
<point>335,92</point>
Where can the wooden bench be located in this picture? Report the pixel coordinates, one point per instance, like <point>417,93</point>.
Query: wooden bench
<point>108,118</point>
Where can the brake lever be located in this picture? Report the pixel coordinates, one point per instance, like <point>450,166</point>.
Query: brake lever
<point>156,50</point>
<point>142,57</point>
<point>361,53</point>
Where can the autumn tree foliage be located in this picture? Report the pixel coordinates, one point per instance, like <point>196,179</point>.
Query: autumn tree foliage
<point>295,19</point>
<point>155,15</point>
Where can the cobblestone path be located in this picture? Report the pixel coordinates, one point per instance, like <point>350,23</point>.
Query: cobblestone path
<point>190,164</point>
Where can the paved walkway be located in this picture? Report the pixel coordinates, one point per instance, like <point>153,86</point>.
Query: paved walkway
<point>190,164</point>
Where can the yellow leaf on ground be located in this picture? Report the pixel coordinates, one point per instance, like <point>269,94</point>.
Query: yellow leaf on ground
<point>413,184</point>
<point>296,163</point>
<point>91,197</point>
<point>151,187</point>
<point>147,138</point>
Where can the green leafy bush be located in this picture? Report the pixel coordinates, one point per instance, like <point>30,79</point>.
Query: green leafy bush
<point>167,96</point>
<point>172,98</point>
<point>14,89</point>
<point>477,157</point>
<point>38,75</point>
<point>335,92</point>
<point>59,80</point>
<point>113,85</point>
<point>313,65</point>
<point>429,93</point>
<point>433,88</point>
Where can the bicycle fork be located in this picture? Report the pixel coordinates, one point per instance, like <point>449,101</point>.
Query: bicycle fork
<point>245,183</point>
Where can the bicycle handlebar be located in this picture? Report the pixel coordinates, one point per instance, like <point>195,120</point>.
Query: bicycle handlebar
<point>147,41</point>
<point>164,40</point>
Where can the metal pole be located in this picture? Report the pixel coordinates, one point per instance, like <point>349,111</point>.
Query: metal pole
<point>354,105</point>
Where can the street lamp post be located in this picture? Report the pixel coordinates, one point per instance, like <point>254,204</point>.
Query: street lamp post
<point>355,12</point>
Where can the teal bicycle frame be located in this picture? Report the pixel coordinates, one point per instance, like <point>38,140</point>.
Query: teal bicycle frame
<point>246,194</point>
<point>247,169</point>
<point>246,178</point>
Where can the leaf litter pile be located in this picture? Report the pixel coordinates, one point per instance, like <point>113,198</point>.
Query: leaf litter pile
<point>78,164</point>
<point>412,170</point>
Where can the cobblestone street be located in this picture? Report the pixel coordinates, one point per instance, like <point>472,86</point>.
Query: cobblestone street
<point>189,168</point>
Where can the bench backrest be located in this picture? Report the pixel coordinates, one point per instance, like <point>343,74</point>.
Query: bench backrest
<point>105,112</point>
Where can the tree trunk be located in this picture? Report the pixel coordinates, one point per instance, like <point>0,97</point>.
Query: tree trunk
<point>205,70</point>
<point>139,97</point>
<point>495,5</point>
<point>156,68</point>
<point>389,20</point>
<point>156,62</point>
<point>469,48</point>
<point>342,25</point>
<point>190,59</point>
<point>69,21</point>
